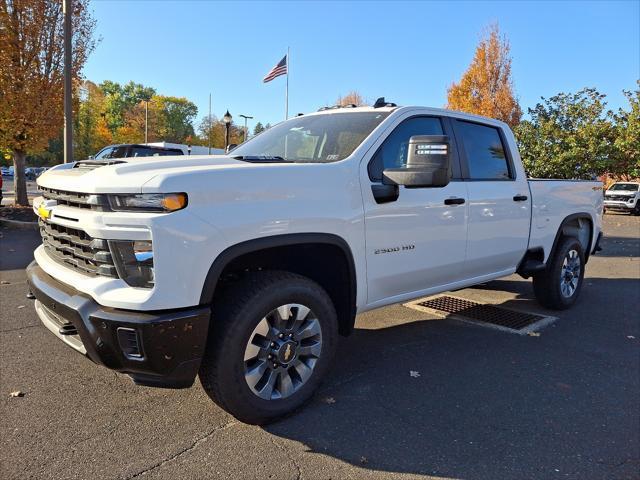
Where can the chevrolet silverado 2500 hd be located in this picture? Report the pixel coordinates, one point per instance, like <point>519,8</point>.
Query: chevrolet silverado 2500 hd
<point>243,269</point>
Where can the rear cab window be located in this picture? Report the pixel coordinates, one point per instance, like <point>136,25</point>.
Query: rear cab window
<point>484,151</point>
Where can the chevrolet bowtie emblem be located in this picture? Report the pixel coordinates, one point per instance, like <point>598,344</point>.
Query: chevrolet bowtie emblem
<point>287,352</point>
<point>44,209</point>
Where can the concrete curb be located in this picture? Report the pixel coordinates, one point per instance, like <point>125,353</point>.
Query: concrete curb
<point>18,225</point>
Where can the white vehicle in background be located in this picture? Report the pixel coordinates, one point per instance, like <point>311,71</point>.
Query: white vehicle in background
<point>244,269</point>
<point>624,196</point>
<point>157,149</point>
<point>188,149</point>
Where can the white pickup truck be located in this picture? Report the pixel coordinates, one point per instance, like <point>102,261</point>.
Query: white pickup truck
<point>243,269</point>
<point>623,196</point>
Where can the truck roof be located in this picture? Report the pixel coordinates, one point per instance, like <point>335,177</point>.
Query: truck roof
<point>418,109</point>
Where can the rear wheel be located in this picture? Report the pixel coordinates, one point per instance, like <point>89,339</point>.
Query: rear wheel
<point>271,343</point>
<point>558,286</point>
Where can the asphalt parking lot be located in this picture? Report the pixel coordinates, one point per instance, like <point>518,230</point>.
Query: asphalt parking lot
<point>8,195</point>
<point>484,405</point>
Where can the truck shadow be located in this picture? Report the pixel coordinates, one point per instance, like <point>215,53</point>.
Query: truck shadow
<point>483,403</point>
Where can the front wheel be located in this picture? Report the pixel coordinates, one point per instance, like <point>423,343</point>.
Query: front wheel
<point>271,343</point>
<point>558,286</point>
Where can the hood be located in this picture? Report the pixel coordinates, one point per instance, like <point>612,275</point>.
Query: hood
<point>128,175</point>
<point>625,193</point>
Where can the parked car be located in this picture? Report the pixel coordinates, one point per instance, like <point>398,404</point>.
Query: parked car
<point>1,175</point>
<point>7,171</point>
<point>244,269</point>
<point>188,149</point>
<point>157,149</point>
<point>624,196</point>
<point>135,150</point>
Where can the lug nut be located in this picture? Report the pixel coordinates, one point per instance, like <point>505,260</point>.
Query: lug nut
<point>270,357</point>
<point>275,365</point>
<point>281,335</point>
<point>290,335</point>
<point>273,344</point>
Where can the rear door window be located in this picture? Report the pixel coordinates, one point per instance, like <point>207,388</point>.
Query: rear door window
<point>484,150</point>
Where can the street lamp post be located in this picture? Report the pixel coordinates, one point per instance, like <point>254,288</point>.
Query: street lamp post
<point>227,123</point>
<point>146,121</point>
<point>68,112</point>
<point>245,126</point>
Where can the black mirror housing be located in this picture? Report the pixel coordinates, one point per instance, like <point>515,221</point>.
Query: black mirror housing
<point>428,163</point>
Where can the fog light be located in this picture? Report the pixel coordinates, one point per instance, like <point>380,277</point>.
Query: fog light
<point>134,261</point>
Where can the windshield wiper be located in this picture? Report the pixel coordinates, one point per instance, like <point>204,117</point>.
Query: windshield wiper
<point>261,158</point>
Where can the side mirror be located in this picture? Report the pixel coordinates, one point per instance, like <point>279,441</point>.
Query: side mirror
<point>427,165</point>
<point>231,147</point>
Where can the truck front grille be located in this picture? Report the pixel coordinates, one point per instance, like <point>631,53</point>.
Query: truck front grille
<point>76,199</point>
<point>618,198</point>
<point>76,249</point>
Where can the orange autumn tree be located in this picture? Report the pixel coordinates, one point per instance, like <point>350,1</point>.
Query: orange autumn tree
<point>351,98</point>
<point>486,87</point>
<point>31,74</point>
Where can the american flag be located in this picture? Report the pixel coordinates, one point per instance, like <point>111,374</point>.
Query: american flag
<point>279,69</point>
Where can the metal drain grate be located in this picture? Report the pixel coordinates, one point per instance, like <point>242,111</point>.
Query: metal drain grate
<point>501,317</point>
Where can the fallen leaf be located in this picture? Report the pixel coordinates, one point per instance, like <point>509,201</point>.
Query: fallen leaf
<point>4,282</point>
<point>329,400</point>
<point>414,374</point>
<point>363,460</point>
<point>20,306</point>
<point>11,250</point>
<point>631,337</point>
<point>17,393</point>
<point>533,334</point>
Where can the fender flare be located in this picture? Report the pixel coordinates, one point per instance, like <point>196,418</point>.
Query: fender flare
<point>575,216</point>
<point>262,243</point>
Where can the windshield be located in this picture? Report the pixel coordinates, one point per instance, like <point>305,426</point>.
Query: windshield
<point>313,138</point>
<point>112,152</point>
<point>633,187</point>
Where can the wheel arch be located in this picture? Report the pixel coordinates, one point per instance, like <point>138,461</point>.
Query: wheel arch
<point>579,225</point>
<point>332,266</point>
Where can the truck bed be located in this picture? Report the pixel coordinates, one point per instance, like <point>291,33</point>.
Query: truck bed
<point>555,200</point>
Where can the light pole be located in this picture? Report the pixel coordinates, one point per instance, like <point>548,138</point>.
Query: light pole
<point>146,121</point>
<point>246,117</point>
<point>68,125</point>
<point>227,123</point>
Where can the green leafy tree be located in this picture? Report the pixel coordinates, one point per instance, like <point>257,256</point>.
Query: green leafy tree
<point>179,116</point>
<point>627,138</point>
<point>569,135</point>
<point>119,99</point>
<point>259,128</point>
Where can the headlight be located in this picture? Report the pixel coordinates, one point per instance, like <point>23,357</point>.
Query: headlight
<point>134,261</point>
<point>149,202</point>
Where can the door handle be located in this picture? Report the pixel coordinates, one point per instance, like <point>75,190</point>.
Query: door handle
<point>520,198</point>
<point>454,201</point>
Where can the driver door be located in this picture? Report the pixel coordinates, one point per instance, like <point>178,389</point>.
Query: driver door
<point>417,240</point>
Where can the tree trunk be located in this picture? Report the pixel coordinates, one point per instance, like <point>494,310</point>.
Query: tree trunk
<point>19,179</point>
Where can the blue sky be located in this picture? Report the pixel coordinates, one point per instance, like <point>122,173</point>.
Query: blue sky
<point>407,51</point>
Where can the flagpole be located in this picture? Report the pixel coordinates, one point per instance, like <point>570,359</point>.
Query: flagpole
<point>286,93</point>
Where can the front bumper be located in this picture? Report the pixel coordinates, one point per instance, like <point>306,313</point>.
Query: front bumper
<point>618,205</point>
<point>160,348</point>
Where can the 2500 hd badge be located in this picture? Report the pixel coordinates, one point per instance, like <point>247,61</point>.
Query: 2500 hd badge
<point>394,249</point>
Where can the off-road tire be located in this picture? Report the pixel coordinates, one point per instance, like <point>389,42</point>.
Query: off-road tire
<point>236,311</point>
<point>547,284</point>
